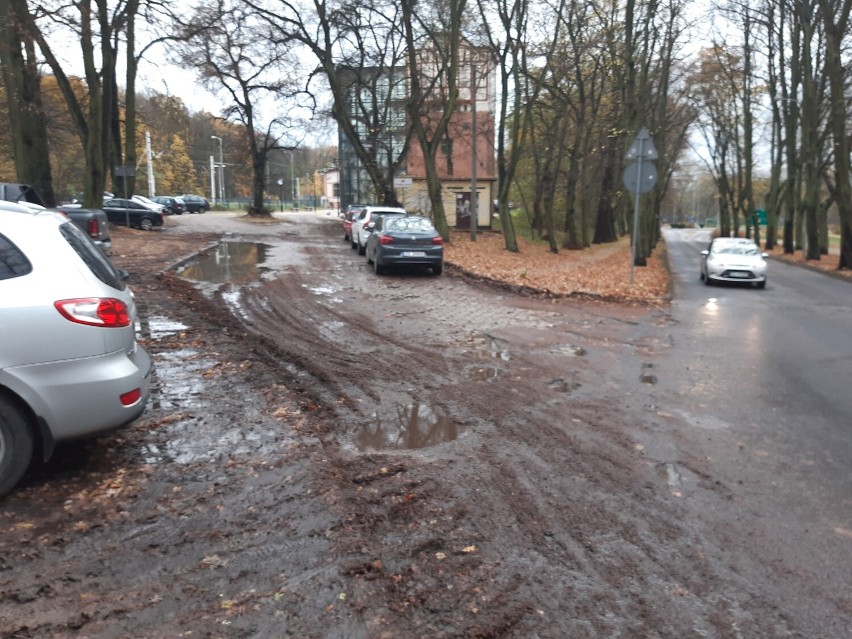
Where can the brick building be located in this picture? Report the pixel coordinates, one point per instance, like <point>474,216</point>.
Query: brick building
<point>383,127</point>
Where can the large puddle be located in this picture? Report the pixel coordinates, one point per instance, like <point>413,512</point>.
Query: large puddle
<point>410,427</point>
<point>237,262</point>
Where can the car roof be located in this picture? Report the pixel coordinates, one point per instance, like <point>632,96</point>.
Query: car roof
<point>15,223</point>
<point>15,207</point>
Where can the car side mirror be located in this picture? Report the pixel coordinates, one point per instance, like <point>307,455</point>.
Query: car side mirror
<point>705,252</point>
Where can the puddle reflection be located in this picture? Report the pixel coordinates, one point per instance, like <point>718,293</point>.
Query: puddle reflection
<point>158,327</point>
<point>413,426</point>
<point>483,373</point>
<point>236,262</point>
<point>487,346</point>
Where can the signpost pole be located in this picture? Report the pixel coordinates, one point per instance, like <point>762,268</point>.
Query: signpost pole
<point>636,212</point>
<point>639,179</point>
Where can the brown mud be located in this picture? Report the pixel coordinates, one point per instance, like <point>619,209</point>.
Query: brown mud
<point>328,453</point>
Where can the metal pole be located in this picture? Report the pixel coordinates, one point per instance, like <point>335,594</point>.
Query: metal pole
<point>221,172</point>
<point>213,179</point>
<point>636,209</point>
<point>151,186</point>
<point>474,204</point>
<point>292,182</point>
<point>221,168</point>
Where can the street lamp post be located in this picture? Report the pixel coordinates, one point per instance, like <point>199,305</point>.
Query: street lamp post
<point>292,181</point>
<point>221,168</point>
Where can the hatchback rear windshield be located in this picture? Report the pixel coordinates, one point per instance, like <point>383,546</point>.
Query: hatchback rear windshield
<point>409,224</point>
<point>93,257</point>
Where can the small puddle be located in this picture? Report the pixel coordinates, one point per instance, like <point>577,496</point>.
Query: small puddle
<point>483,373</point>
<point>487,346</point>
<point>236,262</point>
<point>412,426</point>
<point>158,327</point>
<point>177,381</point>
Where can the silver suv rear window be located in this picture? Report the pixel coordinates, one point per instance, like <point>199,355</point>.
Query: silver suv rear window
<point>92,256</point>
<point>13,262</point>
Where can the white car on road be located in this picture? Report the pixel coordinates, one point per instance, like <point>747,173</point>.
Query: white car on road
<point>733,259</point>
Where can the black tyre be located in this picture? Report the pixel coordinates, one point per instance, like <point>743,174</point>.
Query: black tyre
<point>378,269</point>
<point>16,445</point>
<point>437,269</point>
<point>761,284</point>
<point>708,281</point>
<point>146,224</point>
<point>354,243</point>
<point>361,249</point>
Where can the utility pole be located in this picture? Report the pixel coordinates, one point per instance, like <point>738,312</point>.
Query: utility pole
<point>474,205</point>
<point>151,185</point>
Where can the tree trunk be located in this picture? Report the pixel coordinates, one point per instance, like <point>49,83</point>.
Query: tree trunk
<point>835,27</point>
<point>605,225</point>
<point>27,123</point>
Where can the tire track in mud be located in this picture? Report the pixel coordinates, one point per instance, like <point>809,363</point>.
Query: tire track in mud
<point>332,344</point>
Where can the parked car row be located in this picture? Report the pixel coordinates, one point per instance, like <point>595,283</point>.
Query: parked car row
<point>175,204</point>
<point>70,366</point>
<point>390,237</point>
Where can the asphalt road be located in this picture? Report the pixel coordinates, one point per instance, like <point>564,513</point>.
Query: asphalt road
<point>768,378</point>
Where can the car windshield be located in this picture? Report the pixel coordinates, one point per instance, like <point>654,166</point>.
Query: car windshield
<point>409,224</point>
<point>737,249</point>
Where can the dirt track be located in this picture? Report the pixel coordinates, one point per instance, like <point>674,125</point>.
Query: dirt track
<point>333,454</point>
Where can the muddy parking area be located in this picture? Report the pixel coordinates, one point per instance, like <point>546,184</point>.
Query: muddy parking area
<point>328,453</point>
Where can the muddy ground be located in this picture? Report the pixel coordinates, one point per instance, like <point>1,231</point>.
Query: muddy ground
<point>328,453</point>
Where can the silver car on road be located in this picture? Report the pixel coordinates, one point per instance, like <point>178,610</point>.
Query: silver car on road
<point>733,259</point>
<point>70,365</point>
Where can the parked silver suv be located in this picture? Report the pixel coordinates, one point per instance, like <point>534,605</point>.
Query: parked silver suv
<point>70,366</point>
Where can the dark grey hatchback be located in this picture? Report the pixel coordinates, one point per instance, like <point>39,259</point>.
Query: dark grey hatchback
<point>409,240</point>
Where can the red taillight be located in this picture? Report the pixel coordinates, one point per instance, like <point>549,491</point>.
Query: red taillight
<point>128,399</point>
<point>438,241</point>
<point>106,312</point>
<point>385,239</point>
<point>92,228</point>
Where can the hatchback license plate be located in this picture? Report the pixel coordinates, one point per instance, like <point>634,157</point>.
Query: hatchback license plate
<point>413,254</point>
<point>739,274</point>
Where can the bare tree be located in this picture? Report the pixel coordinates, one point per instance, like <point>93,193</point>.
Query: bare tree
<point>234,51</point>
<point>835,17</point>
<point>506,25</point>
<point>98,26</point>
<point>352,43</point>
<point>433,42</point>
<point>22,82</point>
